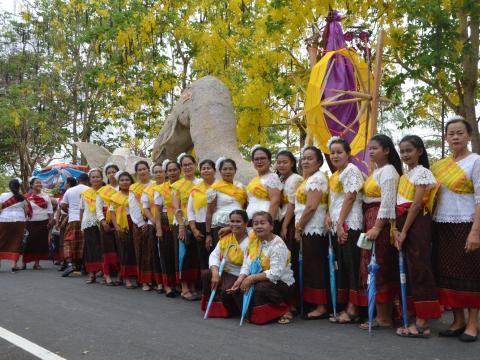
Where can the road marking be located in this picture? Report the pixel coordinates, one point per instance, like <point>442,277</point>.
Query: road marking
<point>28,346</point>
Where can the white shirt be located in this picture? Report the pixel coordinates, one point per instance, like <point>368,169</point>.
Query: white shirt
<point>89,219</point>
<point>199,216</point>
<point>270,180</point>
<point>12,213</point>
<point>72,198</point>
<point>289,189</point>
<point>316,224</point>
<point>100,204</point>
<point>387,178</point>
<point>225,205</point>
<point>418,176</point>
<point>195,181</point>
<point>352,182</point>
<point>146,204</point>
<point>214,258</point>
<point>39,213</point>
<point>460,208</point>
<point>278,253</point>
<point>135,210</point>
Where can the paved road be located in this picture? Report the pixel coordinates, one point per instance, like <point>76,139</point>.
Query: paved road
<point>79,321</point>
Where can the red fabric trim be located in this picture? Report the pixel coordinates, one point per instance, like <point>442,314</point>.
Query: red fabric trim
<point>37,200</point>
<point>345,295</point>
<point>128,271</point>
<point>169,280</point>
<point>380,298</point>
<point>93,267</point>
<point>315,296</point>
<point>107,268</point>
<point>110,259</point>
<point>459,299</point>
<point>9,256</point>
<point>402,209</point>
<point>34,257</point>
<point>217,310</point>
<point>188,275</point>
<point>265,313</point>
<point>149,277</point>
<point>428,309</point>
<point>158,278</point>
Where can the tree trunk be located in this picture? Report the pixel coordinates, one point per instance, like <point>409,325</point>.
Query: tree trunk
<point>470,70</point>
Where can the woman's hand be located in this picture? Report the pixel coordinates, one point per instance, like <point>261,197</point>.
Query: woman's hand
<point>105,226</point>
<point>373,233</point>
<point>235,287</point>
<point>342,236</point>
<point>197,234</point>
<point>298,235</point>
<point>182,233</point>
<point>224,231</point>
<point>208,242</point>
<point>159,234</point>
<point>215,278</point>
<point>284,232</point>
<point>473,241</point>
<point>328,222</point>
<point>246,283</point>
<point>399,238</point>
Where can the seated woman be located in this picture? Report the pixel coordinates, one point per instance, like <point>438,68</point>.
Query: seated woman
<point>274,284</point>
<point>233,246</point>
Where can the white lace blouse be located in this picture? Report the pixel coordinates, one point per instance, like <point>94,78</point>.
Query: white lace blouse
<point>316,224</point>
<point>387,178</point>
<point>352,182</point>
<point>12,213</point>
<point>460,208</point>
<point>278,253</point>
<point>289,189</point>
<point>270,180</point>
<point>418,176</point>
<point>214,258</point>
<point>225,205</point>
<point>39,213</point>
<point>89,219</point>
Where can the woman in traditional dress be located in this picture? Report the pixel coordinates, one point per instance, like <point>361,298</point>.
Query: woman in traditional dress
<point>456,239</point>
<point>152,272</point>
<point>197,211</point>
<point>274,283</point>
<point>224,196</point>
<point>345,221</point>
<point>310,210</point>
<point>110,259</point>
<point>164,217</point>
<point>122,223</point>
<point>181,189</point>
<point>38,225</point>
<point>265,189</point>
<point>13,211</point>
<point>380,195</point>
<point>141,240</point>
<point>416,191</point>
<point>231,248</point>
<point>91,233</point>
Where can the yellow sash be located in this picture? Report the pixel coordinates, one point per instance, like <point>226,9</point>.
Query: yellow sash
<point>165,190</point>
<point>452,176</point>
<point>255,249</point>
<point>199,195</point>
<point>230,189</point>
<point>257,189</point>
<point>90,198</point>
<point>106,192</point>
<point>138,189</point>
<point>149,190</point>
<point>406,189</point>
<point>120,205</point>
<point>284,198</point>
<point>334,183</point>
<point>183,187</point>
<point>371,188</point>
<point>235,255</point>
<point>301,195</point>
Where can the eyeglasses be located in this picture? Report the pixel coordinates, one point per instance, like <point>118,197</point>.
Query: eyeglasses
<point>260,159</point>
<point>188,165</point>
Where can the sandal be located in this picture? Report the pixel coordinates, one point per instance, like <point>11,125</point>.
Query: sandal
<point>422,332</point>
<point>91,280</point>
<point>285,319</point>
<point>171,294</point>
<point>352,318</point>
<point>131,286</point>
<point>375,325</point>
<point>146,288</point>
<point>322,316</point>
<point>188,296</point>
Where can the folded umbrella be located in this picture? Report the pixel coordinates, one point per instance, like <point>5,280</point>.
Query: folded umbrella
<point>300,275</point>
<point>331,266</point>
<point>182,250</point>
<point>220,272</point>
<point>372,270</point>
<point>403,287</point>
<point>255,268</point>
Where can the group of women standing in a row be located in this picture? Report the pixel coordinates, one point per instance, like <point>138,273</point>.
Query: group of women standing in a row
<point>177,229</point>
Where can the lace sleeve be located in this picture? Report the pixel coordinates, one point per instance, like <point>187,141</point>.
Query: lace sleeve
<point>272,181</point>
<point>351,179</point>
<point>476,180</point>
<point>388,199</point>
<point>291,186</point>
<point>317,182</point>
<point>211,195</point>
<point>278,259</point>
<point>423,176</point>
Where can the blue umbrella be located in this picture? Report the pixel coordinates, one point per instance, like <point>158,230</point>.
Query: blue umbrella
<point>182,250</point>
<point>220,272</point>
<point>403,286</point>
<point>331,266</point>
<point>300,275</point>
<point>372,270</point>
<point>255,268</point>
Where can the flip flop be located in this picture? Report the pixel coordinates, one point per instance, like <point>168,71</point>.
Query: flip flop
<point>407,333</point>
<point>285,319</point>
<point>323,316</point>
<point>375,326</point>
<point>352,319</point>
